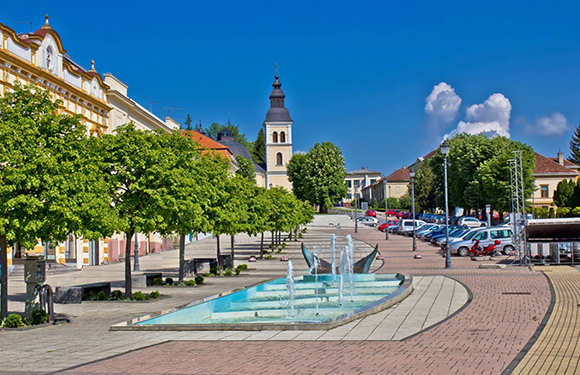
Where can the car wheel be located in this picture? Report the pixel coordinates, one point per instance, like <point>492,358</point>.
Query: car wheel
<point>462,251</point>
<point>507,249</point>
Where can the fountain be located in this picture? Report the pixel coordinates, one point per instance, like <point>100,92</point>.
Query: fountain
<point>315,300</point>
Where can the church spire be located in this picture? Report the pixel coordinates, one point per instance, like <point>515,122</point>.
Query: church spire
<point>277,111</point>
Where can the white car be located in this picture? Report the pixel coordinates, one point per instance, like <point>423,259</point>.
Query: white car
<point>368,220</point>
<point>470,222</point>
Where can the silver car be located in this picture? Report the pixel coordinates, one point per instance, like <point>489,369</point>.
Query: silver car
<point>486,237</point>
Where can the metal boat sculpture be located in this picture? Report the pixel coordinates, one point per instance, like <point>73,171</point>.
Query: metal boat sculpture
<point>361,266</point>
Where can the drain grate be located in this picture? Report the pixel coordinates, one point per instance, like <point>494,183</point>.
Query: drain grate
<point>517,293</point>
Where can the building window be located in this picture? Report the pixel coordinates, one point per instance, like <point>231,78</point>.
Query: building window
<point>373,180</point>
<point>544,190</point>
<point>356,183</point>
<point>275,137</point>
<point>279,160</point>
<point>349,196</point>
<point>349,183</point>
<point>282,137</point>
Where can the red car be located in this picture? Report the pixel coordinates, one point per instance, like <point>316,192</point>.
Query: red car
<point>392,212</point>
<point>389,223</point>
<point>372,213</point>
<point>403,215</point>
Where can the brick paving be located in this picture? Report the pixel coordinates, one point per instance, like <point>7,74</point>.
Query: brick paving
<point>484,337</point>
<point>557,349</point>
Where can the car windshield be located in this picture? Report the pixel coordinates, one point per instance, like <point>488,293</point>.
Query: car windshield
<point>470,235</point>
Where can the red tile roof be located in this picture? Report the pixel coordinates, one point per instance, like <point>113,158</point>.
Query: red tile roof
<point>207,143</point>
<point>546,165</point>
<point>567,163</point>
<point>400,175</point>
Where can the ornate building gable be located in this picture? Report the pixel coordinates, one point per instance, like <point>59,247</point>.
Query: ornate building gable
<point>39,57</point>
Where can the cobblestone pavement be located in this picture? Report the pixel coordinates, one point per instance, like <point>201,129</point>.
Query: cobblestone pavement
<point>506,309</point>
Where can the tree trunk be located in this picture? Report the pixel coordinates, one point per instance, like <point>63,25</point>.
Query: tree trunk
<point>128,283</point>
<point>262,246</point>
<point>232,256</point>
<point>219,258</point>
<point>4,278</point>
<point>273,244</point>
<point>181,257</point>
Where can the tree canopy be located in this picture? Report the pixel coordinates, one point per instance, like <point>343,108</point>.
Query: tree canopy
<point>258,148</point>
<point>48,183</point>
<point>575,147</point>
<point>246,168</point>
<point>319,175</point>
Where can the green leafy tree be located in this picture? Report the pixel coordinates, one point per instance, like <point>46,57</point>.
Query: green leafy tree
<point>563,193</point>
<point>478,171</point>
<point>258,148</point>
<point>246,168</point>
<point>297,175</point>
<point>48,184</point>
<point>424,192</point>
<point>188,122</point>
<point>575,147</point>
<point>239,137</point>
<point>322,175</point>
<point>139,171</point>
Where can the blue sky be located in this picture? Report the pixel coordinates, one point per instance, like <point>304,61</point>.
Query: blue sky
<point>354,73</point>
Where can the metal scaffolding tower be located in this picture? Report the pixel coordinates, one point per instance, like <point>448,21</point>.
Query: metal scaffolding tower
<point>518,216</point>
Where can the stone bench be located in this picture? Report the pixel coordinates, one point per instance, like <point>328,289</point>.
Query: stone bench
<point>145,279</point>
<point>74,294</point>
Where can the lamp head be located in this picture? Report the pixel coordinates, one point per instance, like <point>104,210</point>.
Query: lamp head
<point>444,148</point>
<point>412,173</point>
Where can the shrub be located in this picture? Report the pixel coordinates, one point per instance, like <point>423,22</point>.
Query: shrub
<point>39,317</point>
<point>116,295</point>
<point>283,245</point>
<point>169,281</point>
<point>243,267</point>
<point>190,283</point>
<point>154,294</point>
<point>139,296</point>
<point>228,272</point>
<point>238,270</point>
<point>299,235</point>
<point>199,280</point>
<point>157,281</point>
<point>213,271</point>
<point>13,321</point>
<point>101,296</point>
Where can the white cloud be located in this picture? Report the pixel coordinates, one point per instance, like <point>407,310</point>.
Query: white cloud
<point>491,118</point>
<point>551,126</point>
<point>442,105</point>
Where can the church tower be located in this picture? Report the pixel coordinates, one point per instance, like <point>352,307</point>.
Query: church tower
<point>278,127</point>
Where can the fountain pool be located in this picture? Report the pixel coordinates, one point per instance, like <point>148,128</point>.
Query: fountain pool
<point>274,305</point>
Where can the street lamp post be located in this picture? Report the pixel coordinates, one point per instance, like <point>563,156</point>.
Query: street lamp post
<point>533,192</point>
<point>136,263</point>
<point>355,208</point>
<point>386,216</point>
<point>445,150</point>
<point>412,175</point>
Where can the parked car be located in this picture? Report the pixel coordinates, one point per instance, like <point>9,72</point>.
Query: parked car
<point>392,212</point>
<point>486,237</point>
<point>389,223</point>
<point>372,213</point>
<point>368,220</point>
<point>471,222</point>
<point>407,224</point>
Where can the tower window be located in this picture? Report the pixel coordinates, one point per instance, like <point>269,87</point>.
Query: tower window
<point>282,137</point>
<point>275,137</point>
<point>279,159</point>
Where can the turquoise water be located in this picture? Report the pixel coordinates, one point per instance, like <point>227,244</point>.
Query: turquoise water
<point>268,302</point>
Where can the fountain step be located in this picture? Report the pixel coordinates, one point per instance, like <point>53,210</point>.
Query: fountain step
<point>278,313</point>
<point>326,284</point>
<point>311,301</point>
<point>323,291</point>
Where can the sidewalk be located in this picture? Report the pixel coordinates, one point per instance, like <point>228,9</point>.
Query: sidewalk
<point>484,336</point>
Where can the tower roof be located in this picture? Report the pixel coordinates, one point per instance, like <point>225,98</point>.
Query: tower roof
<point>277,111</point>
